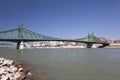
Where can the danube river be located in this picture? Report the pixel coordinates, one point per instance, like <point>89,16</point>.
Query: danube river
<point>69,64</point>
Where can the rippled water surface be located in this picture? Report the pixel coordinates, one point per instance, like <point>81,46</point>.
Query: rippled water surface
<point>69,64</point>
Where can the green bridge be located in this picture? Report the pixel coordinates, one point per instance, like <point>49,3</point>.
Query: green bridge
<point>20,35</point>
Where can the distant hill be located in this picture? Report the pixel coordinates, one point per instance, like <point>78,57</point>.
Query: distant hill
<point>103,39</point>
<point>116,41</point>
<point>109,41</point>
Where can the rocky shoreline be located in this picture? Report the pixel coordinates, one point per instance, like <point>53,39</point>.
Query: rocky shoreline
<point>13,70</point>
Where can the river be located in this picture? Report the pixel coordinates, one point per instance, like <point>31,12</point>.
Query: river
<point>69,64</point>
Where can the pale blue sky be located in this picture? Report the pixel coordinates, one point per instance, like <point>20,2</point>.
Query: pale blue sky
<point>63,18</point>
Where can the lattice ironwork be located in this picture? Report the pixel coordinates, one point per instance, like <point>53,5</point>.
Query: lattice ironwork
<point>91,39</point>
<point>23,34</point>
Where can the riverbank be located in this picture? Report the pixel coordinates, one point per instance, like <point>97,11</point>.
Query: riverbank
<point>67,64</point>
<point>13,70</point>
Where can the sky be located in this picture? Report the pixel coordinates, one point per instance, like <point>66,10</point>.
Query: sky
<point>63,18</point>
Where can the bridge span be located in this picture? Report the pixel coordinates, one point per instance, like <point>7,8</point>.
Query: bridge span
<point>21,34</point>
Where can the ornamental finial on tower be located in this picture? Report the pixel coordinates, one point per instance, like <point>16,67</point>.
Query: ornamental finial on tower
<point>21,25</point>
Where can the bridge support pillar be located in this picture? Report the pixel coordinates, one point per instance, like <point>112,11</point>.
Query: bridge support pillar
<point>20,45</point>
<point>89,45</point>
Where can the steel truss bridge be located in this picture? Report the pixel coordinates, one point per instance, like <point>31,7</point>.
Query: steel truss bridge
<point>21,34</point>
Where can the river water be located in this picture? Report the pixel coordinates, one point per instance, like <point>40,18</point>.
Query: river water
<point>69,64</point>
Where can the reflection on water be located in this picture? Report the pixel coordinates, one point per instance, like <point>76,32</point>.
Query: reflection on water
<point>66,64</point>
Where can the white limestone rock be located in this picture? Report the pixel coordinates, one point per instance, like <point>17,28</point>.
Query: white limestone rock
<point>11,70</point>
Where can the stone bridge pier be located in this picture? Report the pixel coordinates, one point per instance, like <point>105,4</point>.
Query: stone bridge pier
<point>89,45</point>
<point>20,45</point>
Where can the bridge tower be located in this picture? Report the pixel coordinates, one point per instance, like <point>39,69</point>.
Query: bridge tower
<point>20,44</point>
<point>90,39</point>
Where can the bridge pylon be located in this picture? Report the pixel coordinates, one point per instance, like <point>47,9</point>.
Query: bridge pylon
<point>20,36</point>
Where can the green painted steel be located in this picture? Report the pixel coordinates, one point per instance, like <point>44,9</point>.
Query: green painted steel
<point>92,39</point>
<point>25,35</point>
<point>20,31</point>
